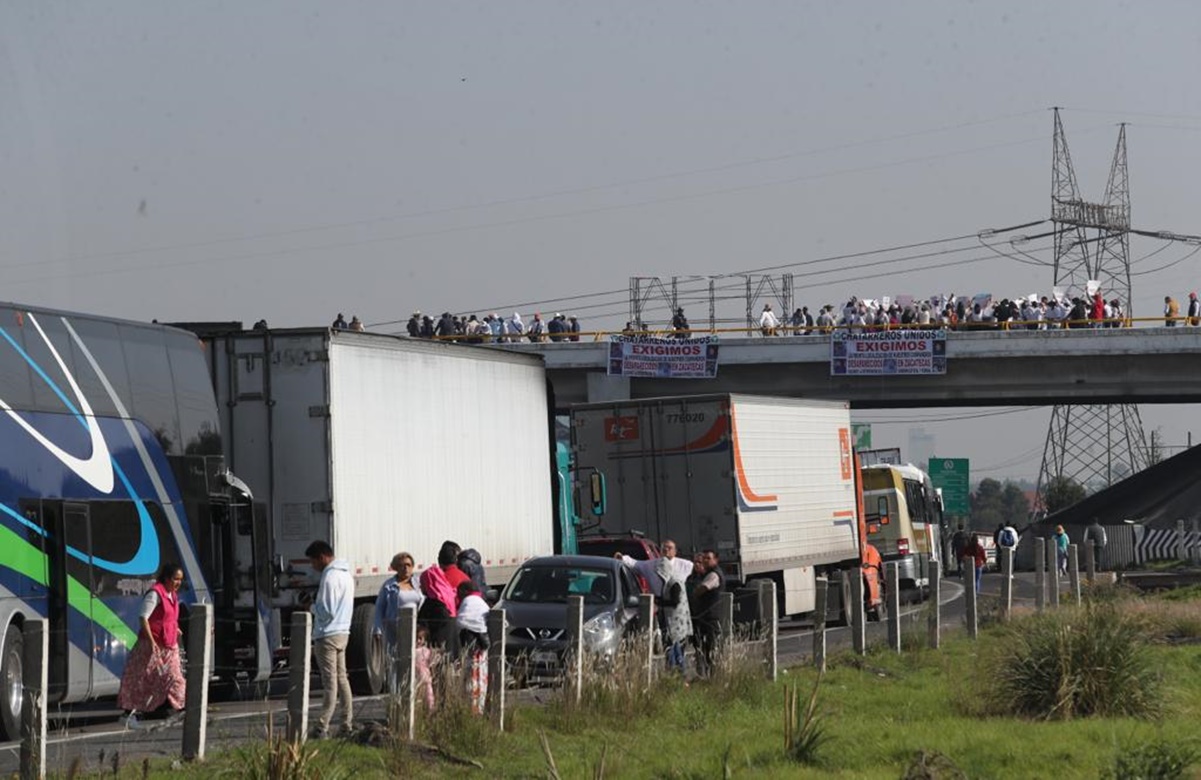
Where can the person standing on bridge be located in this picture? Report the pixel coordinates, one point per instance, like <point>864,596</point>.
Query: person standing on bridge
<point>1171,311</point>
<point>1095,534</point>
<point>333,608</point>
<point>152,677</point>
<point>1194,309</point>
<point>679,324</point>
<point>768,322</point>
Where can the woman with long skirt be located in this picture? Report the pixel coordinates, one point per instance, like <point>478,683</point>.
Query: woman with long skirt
<point>152,676</point>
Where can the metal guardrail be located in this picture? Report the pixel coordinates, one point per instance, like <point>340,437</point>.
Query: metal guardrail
<point>794,331</point>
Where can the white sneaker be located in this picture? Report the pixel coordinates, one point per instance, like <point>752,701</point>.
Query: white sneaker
<point>132,722</point>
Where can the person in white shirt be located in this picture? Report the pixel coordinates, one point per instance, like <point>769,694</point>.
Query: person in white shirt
<point>681,568</point>
<point>768,322</point>
<point>471,619</point>
<point>333,608</point>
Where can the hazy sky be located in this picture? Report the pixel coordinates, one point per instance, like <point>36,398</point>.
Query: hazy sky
<point>289,160</point>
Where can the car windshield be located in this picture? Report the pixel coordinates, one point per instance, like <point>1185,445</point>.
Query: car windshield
<point>606,547</point>
<point>553,584</point>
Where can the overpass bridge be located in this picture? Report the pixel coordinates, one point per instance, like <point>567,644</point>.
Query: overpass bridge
<point>984,368</point>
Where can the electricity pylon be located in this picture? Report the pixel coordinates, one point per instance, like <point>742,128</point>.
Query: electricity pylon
<point>1093,445</point>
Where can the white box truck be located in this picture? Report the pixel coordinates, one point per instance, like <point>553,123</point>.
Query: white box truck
<point>768,483</point>
<point>380,444</point>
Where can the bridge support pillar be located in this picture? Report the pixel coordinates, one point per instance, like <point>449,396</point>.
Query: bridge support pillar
<point>602,387</point>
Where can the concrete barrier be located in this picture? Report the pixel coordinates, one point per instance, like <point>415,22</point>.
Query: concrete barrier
<point>854,611</point>
<point>892,595</point>
<point>497,667</point>
<point>821,606</point>
<point>200,668</point>
<point>969,595</point>
<point>35,665</point>
<point>769,627</point>
<point>300,668</point>
<point>934,620</point>
<point>574,677</point>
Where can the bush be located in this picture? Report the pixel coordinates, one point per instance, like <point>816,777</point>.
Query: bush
<point>1158,760</point>
<point>1077,662</point>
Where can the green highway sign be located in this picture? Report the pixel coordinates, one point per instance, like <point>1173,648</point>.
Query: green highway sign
<point>951,474</point>
<point>862,434</point>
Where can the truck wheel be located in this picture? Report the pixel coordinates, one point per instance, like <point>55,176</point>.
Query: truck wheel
<point>12,689</point>
<point>840,614</point>
<point>365,653</point>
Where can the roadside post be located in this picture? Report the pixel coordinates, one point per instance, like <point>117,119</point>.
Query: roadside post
<point>1074,571</point>
<point>1053,574</point>
<point>575,646</point>
<point>1006,582</point>
<point>1090,561</point>
<point>646,619</point>
<point>821,605</point>
<point>854,611</point>
<point>35,661</point>
<point>725,617</point>
<point>402,712</point>
<point>497,684</point>
<point>969,585</point>
<point>893,595</point>
<point>769,627</point>
<point>300,667</point>
<point>1040,579</point>
<point>1196,558</point>
<point>934,621</point>
<point>1181,541</point>
<point>200,667</point>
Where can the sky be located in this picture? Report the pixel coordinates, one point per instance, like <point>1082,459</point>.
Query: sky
<point>292,160</point>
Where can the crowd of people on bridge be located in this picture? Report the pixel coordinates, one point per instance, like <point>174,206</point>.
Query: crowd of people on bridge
<point>492,328</point>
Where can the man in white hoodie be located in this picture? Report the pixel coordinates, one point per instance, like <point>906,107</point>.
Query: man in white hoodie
<point>332,611</point>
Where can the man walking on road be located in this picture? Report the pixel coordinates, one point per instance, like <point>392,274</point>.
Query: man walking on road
<point>958,545</point>
<point>332,610</point>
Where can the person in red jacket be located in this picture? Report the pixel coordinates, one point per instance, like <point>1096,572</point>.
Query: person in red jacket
<point>975,551</point>
<point>152,678</point>
<point>1098,312</point>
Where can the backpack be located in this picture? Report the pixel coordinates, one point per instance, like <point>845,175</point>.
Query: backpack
<point>1007,539</point>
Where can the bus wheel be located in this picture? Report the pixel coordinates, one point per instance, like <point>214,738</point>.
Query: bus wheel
<point>12,695</point>
<point>365,653</point>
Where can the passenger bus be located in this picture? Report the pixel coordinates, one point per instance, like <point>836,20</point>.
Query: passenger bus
<point>903,512</point>
<point>111,465</point>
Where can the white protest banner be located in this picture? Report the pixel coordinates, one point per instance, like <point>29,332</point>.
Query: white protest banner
<point>647,356</point>
<point>888,353</point>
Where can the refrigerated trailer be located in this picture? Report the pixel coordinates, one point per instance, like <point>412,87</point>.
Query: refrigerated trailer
<point>379,445</point>
<point>770,484</point>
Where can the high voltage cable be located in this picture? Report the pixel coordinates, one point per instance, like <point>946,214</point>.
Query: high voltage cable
<point>796,264</point>
<point>518,220</point>
<point>1168,265</point>
<point>900,420</point>
<point>529,198</point>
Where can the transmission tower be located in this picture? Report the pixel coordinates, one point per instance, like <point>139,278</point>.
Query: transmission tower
<point>1092,445</point>
<point>754,290</point>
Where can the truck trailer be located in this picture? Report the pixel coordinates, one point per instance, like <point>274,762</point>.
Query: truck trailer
<point>379,444</point>
<point>770,484</point>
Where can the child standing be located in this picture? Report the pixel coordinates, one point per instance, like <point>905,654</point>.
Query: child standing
<point>422,661</point>
<point>472,621</point>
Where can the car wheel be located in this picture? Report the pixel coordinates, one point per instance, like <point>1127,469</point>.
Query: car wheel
<point>12,684</point>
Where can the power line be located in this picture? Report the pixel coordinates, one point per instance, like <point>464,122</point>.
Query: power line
<point>527,198</point>
<point>953,418</point>
<point>520,220</point>
<point>1169,265</point>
